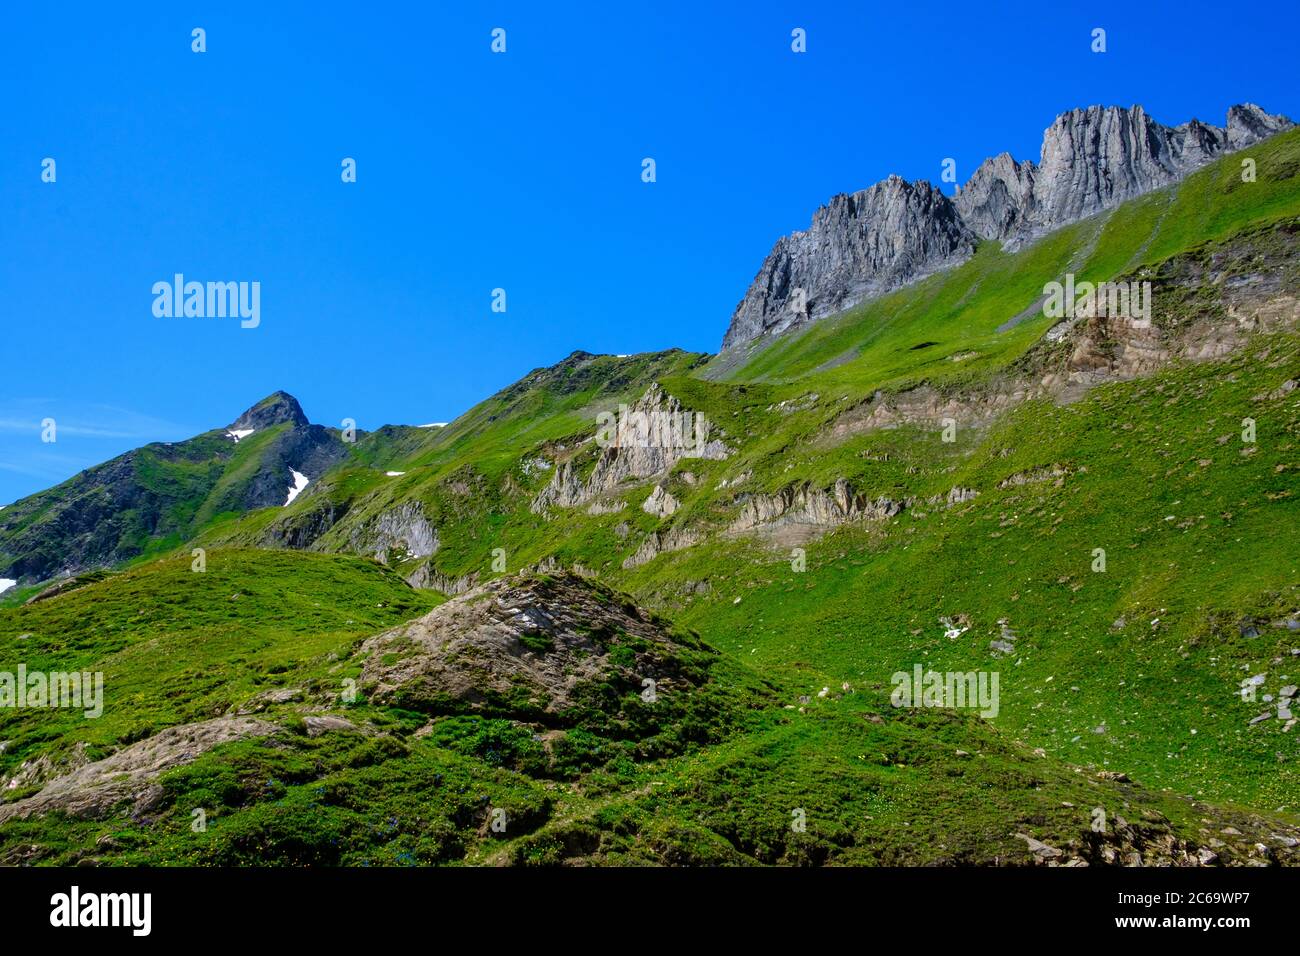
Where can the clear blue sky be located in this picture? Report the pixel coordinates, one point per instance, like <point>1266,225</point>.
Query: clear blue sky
<point>478,171</point>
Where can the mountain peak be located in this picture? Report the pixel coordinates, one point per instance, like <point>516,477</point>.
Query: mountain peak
<point>859,245</point>
<point>275,409</point>
<point>891,234</point>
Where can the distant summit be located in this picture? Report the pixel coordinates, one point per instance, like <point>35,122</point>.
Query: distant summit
<point>276,409</point>
<point>873,241</point>
<point>166,492</point>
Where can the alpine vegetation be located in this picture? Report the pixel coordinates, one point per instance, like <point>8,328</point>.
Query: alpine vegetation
<point>974,545</point>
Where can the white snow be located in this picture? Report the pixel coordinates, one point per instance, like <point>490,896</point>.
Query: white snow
<point>6,584</point>
<point>394,474</point>
<point>299,483</point>
<point>433,425</point>
<point>239,433</point>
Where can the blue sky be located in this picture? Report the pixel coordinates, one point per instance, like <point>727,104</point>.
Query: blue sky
<point>478,170</point>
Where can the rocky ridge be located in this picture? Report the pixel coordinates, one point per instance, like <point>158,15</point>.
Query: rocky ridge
<point>867,243</point>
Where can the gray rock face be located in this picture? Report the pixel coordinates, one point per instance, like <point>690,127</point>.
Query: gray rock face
<point>877,240</point>
<point>859,245</point>
<point>999,198</point>
<point>657,543</point>
<point>1097,157</point>
<point>427,576</point>
<point>647,439</point>
<point>1248,124</point>
<point>805,504</point>
<point>403,529</point>
<point>660,503</point>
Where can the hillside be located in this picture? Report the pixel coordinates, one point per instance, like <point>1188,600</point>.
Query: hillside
<point>286,769</point>
<point>1101,510</point>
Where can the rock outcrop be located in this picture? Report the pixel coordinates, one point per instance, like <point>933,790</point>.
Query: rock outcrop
<point>93,789</point>
<point>877,240</point>
<point>998,199</point>
<point>644,440</point>
<point>402,530</point>
<point>535,647</point>
<point>661,504</point>
<point>805,504</point>
<point>659,542</point>
<point>427,576</point>
<point>1096,158</point>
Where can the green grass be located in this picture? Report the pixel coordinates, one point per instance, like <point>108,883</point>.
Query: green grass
<point>177,646</point>
<point>1196,534</point>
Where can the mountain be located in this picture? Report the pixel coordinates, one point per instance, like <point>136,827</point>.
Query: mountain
<point>157,497</point>
<point>673,651</point>
<point>1095,158</point>
<point>859,245</point>
<point>894,233</point>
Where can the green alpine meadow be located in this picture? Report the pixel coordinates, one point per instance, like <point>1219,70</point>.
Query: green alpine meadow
<point>928,565</point>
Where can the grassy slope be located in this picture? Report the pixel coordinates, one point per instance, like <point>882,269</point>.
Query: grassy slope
<point>1021,553</point>
<point>876,786</point>
<point>457,473</point>
<point>180,489</point>
<point>1197,535</point>
<point>1200,547</point>
<point>177,646</point>
<point>852,616</point>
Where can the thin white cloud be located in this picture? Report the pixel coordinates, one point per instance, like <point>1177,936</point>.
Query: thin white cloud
<point>67,427</point>
<point>89,421</point>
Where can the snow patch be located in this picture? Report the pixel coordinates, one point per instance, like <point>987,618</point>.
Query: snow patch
<point>433,425</point>
<point>238,433</point>
<point>6,584</point>
<point>394,474</point>
<point>299,483</point>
